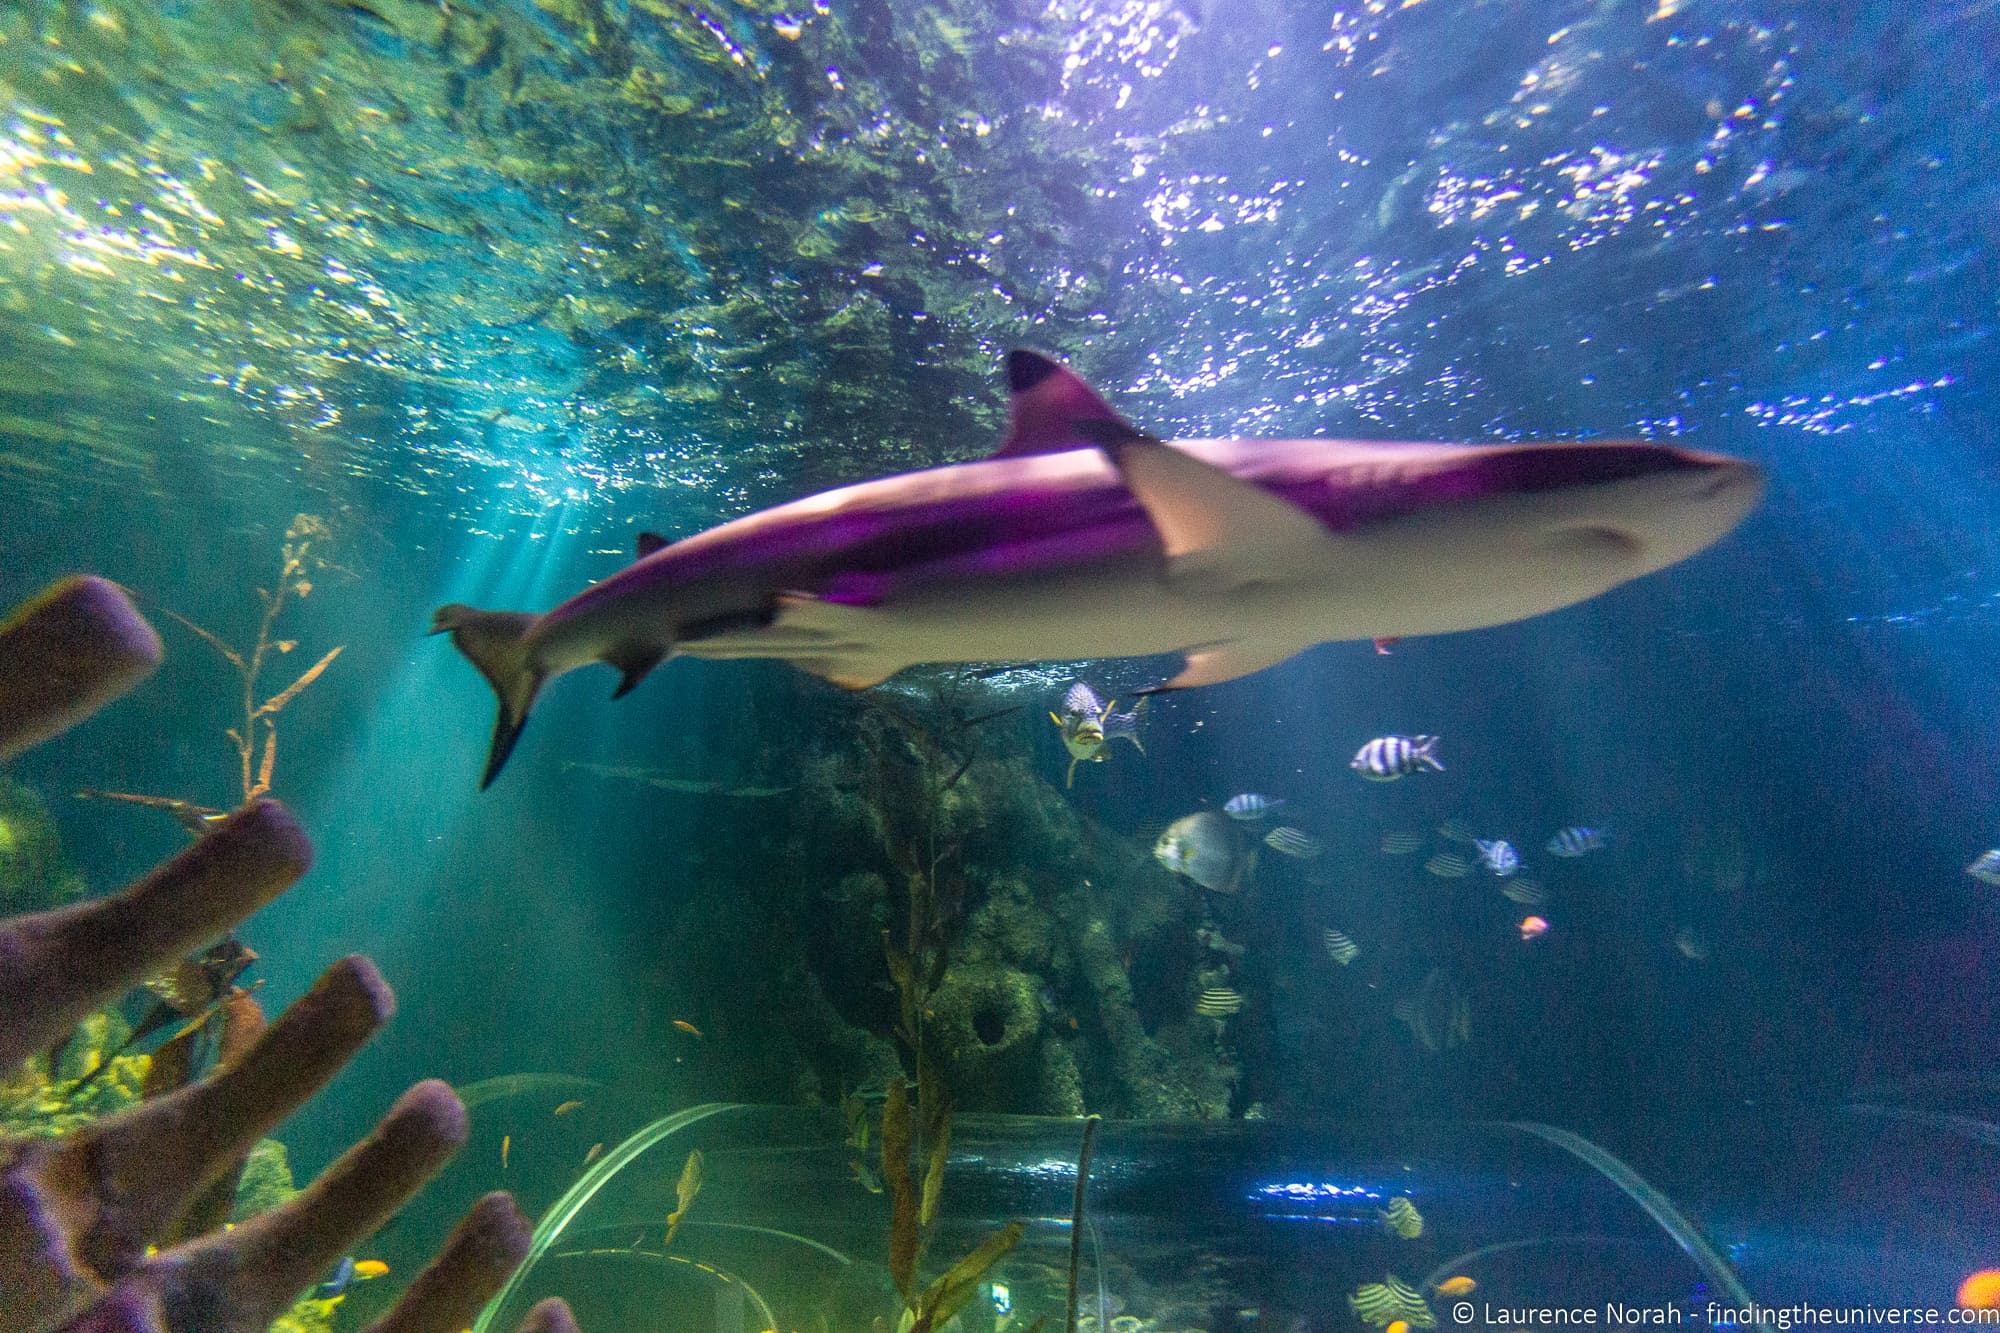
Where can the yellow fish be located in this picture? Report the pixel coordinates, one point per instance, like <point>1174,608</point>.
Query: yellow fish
<point>1399,1326</point>
<point>506,1142</point>
<point>567,1107</point>
<point>687,1027</point>
<point>591,1156</point>
<point>685,1189</point>
<point>1456,1286</point>
<point>365,1269</point>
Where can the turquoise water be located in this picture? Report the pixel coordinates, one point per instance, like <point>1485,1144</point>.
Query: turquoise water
<point>489,289</point>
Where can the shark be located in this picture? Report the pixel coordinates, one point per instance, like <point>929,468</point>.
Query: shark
<point>1083,537</point>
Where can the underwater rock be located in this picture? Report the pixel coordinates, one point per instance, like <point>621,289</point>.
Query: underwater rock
<point>33,874</point>
<point>984,1027</point>
<point>265,1183</point>
<point>1061,1082</point>
<point>78,1212</point>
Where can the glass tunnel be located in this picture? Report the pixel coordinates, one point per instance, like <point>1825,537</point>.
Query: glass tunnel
<point>1258,1224</point>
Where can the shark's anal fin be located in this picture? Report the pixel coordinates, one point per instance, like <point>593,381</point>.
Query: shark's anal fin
<point>1049,406</point>
<point>1214,526</point>
<point>650,542</point>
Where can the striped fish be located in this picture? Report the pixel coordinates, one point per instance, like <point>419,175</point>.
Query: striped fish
<point>1438,1013</point>
<point>1219,1002</point>
<point>1340,948</point>
<point>1449,865</point>
<point>1250,806</point>
<point>1987,868</point>
<point>1401,844</point>
<point>1527,892</point>
<point>1383,1303</point>
<point>1296,843</point>
<point>1387,758</point>
<point>1498,855</point>
<point>1457,830</point>
<point>1577,841</point>
<point>1402,1218</point>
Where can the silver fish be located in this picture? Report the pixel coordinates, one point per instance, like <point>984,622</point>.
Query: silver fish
<point>1401,844</point>
<point>1295,843</point>
<point>1527,892</point>
<point>1387,758</point>
<point>1084,537</point>
<point>1986,868</point>
<point>1208,849</point>
<point>1455,829</point>
<point>1438,1013</point>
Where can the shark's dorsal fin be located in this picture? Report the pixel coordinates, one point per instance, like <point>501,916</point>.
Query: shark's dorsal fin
<point>650,542</point>
<point>1050,408</point>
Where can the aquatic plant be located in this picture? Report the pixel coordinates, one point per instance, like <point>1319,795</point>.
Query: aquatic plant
<point>81,1213</point>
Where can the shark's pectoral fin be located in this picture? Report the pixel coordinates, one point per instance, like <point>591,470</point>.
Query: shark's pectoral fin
<point>1227,661</point>
<point>1217,529</point>
<point>836,641</point>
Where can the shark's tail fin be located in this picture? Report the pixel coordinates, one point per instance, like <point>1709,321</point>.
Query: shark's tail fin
<point>495,642</point>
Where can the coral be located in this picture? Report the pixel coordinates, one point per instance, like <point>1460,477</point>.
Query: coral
<point>37,1102</point>
<point>80,1212</point>
<point>33,875</point>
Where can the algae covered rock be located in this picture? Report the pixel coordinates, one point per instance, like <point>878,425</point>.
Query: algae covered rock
<point>985,1025</point>
<point>266,1181</point>
<point>33,875</point>
<point>40,1100</point>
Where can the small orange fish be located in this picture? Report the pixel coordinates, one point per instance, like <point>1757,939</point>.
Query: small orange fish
<point>1981,1291</point>
<point>1460,1285</point>
<point>364,1269</point>
<point>591,1156</point>
<point>687,1027</point>
<point>1534,928</point>
<point>567,1107</point>
<point>506,1142</point>
<point>1400,1326</point>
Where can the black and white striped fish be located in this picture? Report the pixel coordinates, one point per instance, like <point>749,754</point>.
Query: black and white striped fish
<point>1340,948</point>
<point>1456,829</point>
<point>1527,892</point>
<point>1219,1002</point>
<point>1251,806</point>
<point>1576,841</point>
<point>1401,844</point>
<point>1295,843</point>
<point>1498,855</point>
<point>1387,758</point>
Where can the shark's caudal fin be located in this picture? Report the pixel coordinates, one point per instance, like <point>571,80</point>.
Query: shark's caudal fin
<point>494,641</point>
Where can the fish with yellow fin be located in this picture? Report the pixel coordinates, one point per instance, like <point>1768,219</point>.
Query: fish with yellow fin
<point>688,1028</point>
<point>1088,726</point>
<point>506,1145</point>
<point>1402,1218</point>
<point>685,1189</point>
<point>1456,1286</point>
<point>567,1107</point>
<point>1391,1301</point>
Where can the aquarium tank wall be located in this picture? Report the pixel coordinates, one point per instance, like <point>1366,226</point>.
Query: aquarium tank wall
<point>1127,665</point>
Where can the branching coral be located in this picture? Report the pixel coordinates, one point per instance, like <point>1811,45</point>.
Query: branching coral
<point>80,1214</point>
